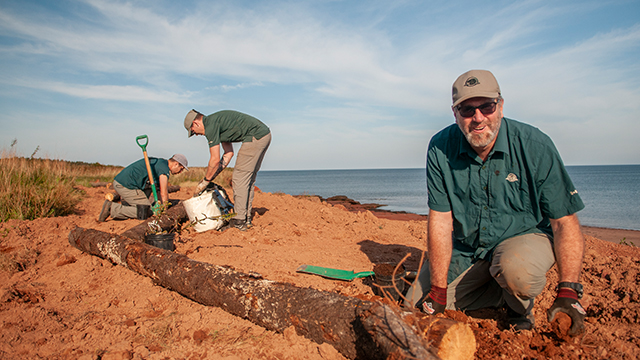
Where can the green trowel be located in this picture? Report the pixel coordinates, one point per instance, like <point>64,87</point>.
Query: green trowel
<point>333,273</point>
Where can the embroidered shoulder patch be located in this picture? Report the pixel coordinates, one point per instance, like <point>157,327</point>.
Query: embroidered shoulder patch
<point>512,177</point>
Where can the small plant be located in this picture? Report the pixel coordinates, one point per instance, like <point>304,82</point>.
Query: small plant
<point>624,242</point>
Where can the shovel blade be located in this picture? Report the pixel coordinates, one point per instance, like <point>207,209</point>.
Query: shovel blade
<point>336,274</point>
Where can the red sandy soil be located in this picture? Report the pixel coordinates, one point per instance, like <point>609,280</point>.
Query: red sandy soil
<point>59,303</point>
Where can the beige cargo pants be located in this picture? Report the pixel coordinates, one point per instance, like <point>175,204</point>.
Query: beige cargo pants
<point>248,163</point>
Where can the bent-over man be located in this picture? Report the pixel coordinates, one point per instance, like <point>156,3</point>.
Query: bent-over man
<point>221,130</point>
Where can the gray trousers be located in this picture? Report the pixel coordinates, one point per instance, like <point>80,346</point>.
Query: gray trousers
<point>131,196</point>
<point>248,163</point>
<point>515,275</point>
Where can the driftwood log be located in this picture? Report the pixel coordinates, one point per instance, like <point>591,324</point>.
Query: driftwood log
<point>356,328</point>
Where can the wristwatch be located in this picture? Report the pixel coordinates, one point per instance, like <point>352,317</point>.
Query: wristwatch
<point>571,285</point>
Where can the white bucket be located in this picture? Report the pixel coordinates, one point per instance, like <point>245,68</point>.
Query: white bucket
<point>204,212</point>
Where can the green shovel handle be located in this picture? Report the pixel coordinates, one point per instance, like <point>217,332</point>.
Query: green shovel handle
<point>143,146</point>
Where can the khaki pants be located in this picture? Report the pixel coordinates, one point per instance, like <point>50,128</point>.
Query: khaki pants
<point>248,163</point>
<point>515,275</point>
<point>131,196</point>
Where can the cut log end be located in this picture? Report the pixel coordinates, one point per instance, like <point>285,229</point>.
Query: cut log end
<point>450,339</point>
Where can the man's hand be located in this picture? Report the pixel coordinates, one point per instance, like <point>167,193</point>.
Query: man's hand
<point>567,302</point>
<point>201,186</point>
<point>435,302</point>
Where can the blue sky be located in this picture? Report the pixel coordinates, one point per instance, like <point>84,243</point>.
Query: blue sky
<point>341,84</point>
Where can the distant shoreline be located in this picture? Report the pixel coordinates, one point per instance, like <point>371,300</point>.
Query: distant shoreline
<point>607,234</point>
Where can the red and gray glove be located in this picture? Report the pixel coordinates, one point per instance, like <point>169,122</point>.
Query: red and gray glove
<point>567,302</point>
<point>435,302</point>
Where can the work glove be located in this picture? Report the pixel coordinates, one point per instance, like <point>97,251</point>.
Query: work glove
<point>435,302</point>
<point>567,302</point>
<point>201,186</point>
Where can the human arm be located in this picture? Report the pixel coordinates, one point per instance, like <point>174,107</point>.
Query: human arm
<point>568,246</point>
<point>439,250</point>
<point>569,250</point>
<point>164,188</point>
<point>216,165</point>
<point>439,246</point>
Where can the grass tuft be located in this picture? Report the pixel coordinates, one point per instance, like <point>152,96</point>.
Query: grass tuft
<point>34,188</point>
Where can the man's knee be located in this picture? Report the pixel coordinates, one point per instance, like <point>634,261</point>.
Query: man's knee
<point>519,280</point>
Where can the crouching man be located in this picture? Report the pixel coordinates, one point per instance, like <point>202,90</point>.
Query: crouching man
<point>502,211</point>
<point>133,186</point>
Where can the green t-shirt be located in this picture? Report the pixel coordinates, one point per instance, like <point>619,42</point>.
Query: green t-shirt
<point>135,175</point>
<point>522,184</point>
<point>232,126</point>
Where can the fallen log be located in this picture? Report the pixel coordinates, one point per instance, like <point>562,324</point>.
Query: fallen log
<point>171,219</point>
<point>355,327</point>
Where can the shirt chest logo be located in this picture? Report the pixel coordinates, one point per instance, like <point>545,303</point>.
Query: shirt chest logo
<point>512,177</point>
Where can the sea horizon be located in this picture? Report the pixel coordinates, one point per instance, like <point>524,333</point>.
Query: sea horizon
<point>605,189</point>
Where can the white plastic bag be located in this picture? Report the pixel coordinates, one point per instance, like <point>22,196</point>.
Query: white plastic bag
<point>204,212</point>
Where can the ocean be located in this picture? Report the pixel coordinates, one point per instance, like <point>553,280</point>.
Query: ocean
<point>611,193</point>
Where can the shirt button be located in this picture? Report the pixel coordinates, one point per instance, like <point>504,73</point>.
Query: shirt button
<point>485,208</point>
<point>484,187</point>
<point>484,228</point>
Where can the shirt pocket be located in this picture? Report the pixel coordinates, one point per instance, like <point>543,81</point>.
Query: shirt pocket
<point>515,193</point>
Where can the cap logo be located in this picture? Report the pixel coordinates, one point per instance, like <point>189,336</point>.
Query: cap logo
<point>472,81</point>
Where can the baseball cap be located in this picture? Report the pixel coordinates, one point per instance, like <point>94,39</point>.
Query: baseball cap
<point>474,83</point>
<point>188,120</point>
<point>181,159</point>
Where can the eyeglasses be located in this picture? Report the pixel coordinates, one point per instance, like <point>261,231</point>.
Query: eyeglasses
<point>487,108</point>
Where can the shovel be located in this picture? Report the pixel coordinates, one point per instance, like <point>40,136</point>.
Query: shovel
<point>156,207</point>
<point>336,274</point>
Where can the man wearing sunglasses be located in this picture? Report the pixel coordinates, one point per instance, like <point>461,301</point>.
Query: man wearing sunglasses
<point>221,130</point>
<point>502,212</point>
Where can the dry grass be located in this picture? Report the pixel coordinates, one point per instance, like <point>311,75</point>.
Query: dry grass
<point>195,174</point>
<point>34,188</point>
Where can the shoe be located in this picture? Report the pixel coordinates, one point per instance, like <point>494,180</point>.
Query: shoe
<point>105,212</point>
<point>519,321</point>
<point>238,224</point>
<point>248,223</point>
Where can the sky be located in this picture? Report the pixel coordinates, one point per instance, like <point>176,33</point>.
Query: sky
<point>341,84</point>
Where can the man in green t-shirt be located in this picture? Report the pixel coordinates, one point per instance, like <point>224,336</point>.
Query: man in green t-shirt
<point>134,188</point>
<point>502,210</point>
<point>221,130</point>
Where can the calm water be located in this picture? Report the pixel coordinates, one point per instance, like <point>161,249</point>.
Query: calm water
<point>611,193</point>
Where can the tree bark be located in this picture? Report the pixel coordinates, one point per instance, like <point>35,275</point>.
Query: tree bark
<point>356,328</point>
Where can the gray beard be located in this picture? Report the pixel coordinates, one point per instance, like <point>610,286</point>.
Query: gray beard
<point>482,141</point>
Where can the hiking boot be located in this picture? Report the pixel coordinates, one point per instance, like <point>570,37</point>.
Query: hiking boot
<point>105,212</point>
<point>238,224</point>
<point>519,321</point>
<point>248,223</point>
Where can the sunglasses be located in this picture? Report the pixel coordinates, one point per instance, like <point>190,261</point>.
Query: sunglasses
<point>487,108</point>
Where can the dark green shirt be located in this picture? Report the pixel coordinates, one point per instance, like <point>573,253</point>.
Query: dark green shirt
<point>232,126</point>
<point>135,176</point>
<point>522,184</point>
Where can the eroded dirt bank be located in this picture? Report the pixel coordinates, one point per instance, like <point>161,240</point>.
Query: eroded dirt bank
<point>57,302</point>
